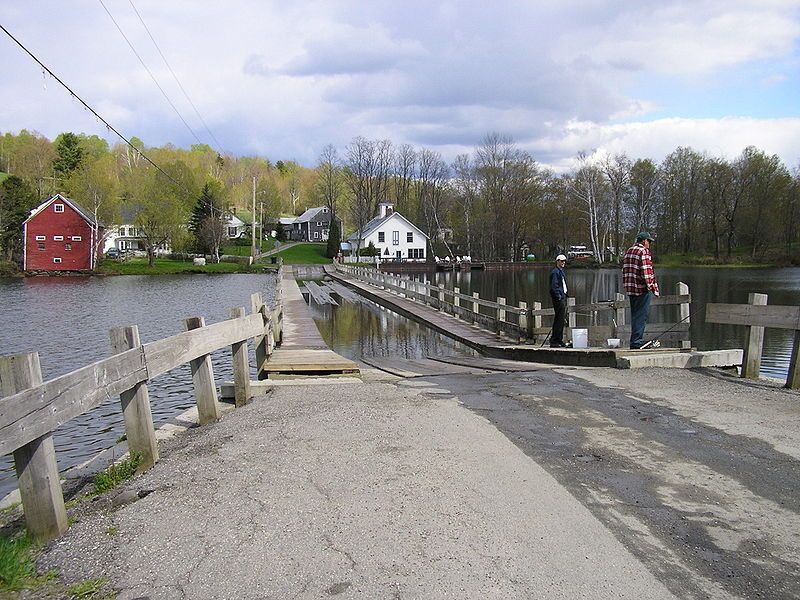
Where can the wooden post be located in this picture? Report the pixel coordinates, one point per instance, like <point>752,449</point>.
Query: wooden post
<point>793,376</point>
<point>260,341</point>
<point>571,320</point>
<point>501,312</point>
<point>205,388</point>
<point>456,301</point>
<point>754,340</point>
<point>537,320</point>
<point>685,311</point>
<point>441,296</point>
<point>620,314</point>
<point>35,462</point>
<point>476,308</point>
<point>136,404</point>
<point>524,320</point>
<point>241,366</point>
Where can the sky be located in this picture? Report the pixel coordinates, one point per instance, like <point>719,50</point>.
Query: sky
<point>284,79</point>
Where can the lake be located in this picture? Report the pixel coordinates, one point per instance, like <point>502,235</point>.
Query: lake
<point>67,320</point>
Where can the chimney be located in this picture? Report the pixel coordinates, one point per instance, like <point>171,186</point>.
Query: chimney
<point>386,209</point>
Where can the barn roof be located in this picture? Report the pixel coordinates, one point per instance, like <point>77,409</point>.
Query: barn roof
<point>74,205</point>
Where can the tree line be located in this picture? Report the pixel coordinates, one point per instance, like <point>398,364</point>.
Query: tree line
<point>496,202</point>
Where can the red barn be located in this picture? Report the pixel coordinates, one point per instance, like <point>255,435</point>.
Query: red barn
<point>60,236</point>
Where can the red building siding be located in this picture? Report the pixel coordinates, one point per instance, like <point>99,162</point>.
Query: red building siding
<point>67,236</point>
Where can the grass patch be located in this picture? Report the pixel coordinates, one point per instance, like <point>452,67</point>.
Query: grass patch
<point>242,247</point>
<point>305,254</point>
<point>165,266</point>
<point>116,474</point>
<point>91,589</point>
<point>17,566</point>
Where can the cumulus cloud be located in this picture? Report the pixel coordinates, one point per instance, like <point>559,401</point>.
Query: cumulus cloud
<point>286,79</point>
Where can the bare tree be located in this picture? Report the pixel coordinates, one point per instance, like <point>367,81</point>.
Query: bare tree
<point>587,186</point>
<point>404,175</point>
<point>466,190</point>
<point>617,170</point>
<point>329,178</point>
<point>645,183</point>
<point>431,178</point>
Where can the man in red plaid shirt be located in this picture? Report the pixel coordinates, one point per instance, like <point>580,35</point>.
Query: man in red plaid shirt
<point>640,284</point>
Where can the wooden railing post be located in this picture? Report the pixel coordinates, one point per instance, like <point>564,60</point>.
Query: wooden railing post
<point>476,308</point>
<point>684,311</point>
<point>241,366</point>
<point>441,297</point>
<point>754,340</point>
<point>571,320</point>
<point>260,341</point>
<point>525,320</point>
<point>501,313</point>
<point>456,302</point>
<point>35,462</point>
<point>205,388</point>
<point>620,314</point>
<point>793,376</point>
<point>135,402</point>
<point>537,320</point>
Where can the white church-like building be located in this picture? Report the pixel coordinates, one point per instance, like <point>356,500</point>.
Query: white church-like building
<point>397,238</point>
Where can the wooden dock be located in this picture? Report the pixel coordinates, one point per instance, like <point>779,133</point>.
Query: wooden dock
<point>303,351</point>
<point>497,346</point>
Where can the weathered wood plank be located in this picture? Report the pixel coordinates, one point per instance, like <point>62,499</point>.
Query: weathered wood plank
<point>167,354</point>
<point>32,413</point>
<point>35,462</point>
<point>205,388</point>
<point>136,404</point>
<point>241,366</point>
<point>779,317</point>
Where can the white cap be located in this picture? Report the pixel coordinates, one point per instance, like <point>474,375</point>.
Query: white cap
<point>561,257</point>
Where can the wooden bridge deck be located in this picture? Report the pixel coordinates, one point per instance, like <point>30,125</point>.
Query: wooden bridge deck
<point>303,351</point>
<point>494,345</point>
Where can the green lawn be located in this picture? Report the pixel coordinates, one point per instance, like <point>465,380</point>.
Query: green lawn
<point>244,249</point>
<point>305,254</point>
<point>163,266</point>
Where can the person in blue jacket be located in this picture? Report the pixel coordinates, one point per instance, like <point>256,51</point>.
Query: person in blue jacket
<point>558,293</point>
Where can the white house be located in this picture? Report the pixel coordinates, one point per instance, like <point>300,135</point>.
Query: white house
<point>234,226</point>
<point>128,238</point>
<point>396,237</point>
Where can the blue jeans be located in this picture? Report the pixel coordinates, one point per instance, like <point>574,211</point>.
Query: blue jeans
<point>640,310</point>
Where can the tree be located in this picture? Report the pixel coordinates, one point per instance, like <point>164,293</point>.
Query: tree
<point>207,223</point>
<point>334,239</point>
<point>641,203</point>
<point>617,170</point>
<point>329,179</point>
<point>94,184</point>
<point>68,154</point>
<point>17,198</point>
<point>587,186</point>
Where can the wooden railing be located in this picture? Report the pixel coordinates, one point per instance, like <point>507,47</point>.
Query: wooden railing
<point>756,315</point>
<point>31,410</point>
<point>523,322</point>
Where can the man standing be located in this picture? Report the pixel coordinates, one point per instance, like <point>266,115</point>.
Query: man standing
<point>558,293</point>
<point>640,284</point>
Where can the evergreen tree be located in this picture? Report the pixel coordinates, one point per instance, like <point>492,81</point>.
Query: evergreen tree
<point>17,198</point>
<point>206,222</point>
<point>68,154</point>
<point>334,238</point>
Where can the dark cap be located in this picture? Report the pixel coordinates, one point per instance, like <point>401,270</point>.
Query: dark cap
<point>644,235</point>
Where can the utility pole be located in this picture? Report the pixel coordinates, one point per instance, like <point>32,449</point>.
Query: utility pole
<point>261,218</point>
<point>253,229</point>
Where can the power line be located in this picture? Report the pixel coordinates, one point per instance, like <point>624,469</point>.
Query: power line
<point>197,112</point>
<point>166,97</point>
<point>89,108</point>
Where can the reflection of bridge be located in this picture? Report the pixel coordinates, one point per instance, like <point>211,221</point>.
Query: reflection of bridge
<point>498,329</point>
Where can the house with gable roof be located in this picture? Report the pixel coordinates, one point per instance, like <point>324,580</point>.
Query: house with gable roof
<point>393,235</point>
<point>60,235</point>
<point>314,225</point>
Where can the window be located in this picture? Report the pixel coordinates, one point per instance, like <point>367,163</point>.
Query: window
<point>41,238</point>
<point>231,232</point>
<point>316,235</point>
<point>325,211</point>
<point>40,246</point>
<point>410,237</point>
<point>56,260</point>
<point>398,255</point>
<point>416,253</point>
<point>395,238</point>
<point>67,246</point>
<point>58,238</point>
<point>59,208</point>
<point>320,223</point>
<point>381,237</point>
<point>76,238</point>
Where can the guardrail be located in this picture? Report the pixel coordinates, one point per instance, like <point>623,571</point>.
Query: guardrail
<point>756,315</point>
<point>523,322</point>
<point>31,410</point>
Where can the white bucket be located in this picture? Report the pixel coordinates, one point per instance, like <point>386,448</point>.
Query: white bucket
<point>580,338</point>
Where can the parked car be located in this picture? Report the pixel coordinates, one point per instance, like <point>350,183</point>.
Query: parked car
<point>113,253</point>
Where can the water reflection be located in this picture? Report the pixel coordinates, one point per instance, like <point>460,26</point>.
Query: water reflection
<point>728,285</point>
<point>67,320</point>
